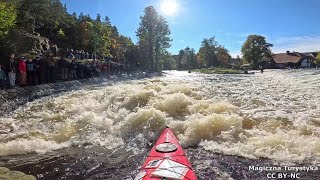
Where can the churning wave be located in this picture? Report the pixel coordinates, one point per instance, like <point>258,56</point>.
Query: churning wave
<point>273,115</point>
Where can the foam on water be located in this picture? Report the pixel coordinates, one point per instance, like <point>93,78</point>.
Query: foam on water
<point>211,127</point>
<point>273,115</point>
<point>21,146</point>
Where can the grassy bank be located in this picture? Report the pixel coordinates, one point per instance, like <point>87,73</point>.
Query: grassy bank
<point>5,173</point>
<point>219,71</point>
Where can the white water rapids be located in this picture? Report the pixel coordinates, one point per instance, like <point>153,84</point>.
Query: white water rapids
<point>275,115</point>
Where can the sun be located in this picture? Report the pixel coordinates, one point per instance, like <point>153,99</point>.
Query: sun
<point>169,7</point>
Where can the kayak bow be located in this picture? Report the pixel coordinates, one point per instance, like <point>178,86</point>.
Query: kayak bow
<point>166,161</point>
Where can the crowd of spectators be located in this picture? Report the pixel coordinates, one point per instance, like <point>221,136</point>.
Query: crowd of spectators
<point>49,67</point>
<point>81,54</point>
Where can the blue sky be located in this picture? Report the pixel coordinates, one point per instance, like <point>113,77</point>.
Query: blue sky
<point>288,24</point>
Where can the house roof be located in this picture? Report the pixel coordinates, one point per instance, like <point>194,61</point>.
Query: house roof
<point>308,56</point>
<point>286,58</point>
<point>314,54</point>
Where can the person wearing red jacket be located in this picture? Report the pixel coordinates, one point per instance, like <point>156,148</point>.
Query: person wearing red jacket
<point>23,71</point>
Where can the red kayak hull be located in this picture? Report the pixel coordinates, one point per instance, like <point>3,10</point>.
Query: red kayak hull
<point>166,160</point>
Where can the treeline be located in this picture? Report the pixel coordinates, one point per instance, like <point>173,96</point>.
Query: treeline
<point>210,54</point>
<point>50,19</point>
<point>255,51</point>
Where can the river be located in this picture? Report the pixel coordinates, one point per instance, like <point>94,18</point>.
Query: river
<point>226,123</point>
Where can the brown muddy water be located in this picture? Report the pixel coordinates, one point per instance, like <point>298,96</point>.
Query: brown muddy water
<point>232,127</point>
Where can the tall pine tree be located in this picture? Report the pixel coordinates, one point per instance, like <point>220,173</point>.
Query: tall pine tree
<point>154,38</point>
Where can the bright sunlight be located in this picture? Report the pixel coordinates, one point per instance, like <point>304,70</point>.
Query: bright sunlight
<point>169,7</point>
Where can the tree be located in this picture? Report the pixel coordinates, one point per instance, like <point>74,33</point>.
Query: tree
<point>61,34</point>
<point>33,14</point>
<point>54,20</point>
<point>179,59</point>
<point>223,55</point>
<point>187,59</point>
<point>7,18</point>
<point>115,48</point>
<point>125,45</point>
<point>86,34</point>
<point>50,19</point>
<point>153,35</point>
<point>207,52</point>
<point>162,42</point>
<point>169,63</point>
<point>100,35</point>
<point>132,56</point>
<point>255,48</point>
<point>317,60</point>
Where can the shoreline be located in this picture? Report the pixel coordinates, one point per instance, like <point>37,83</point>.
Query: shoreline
<point>219,71</point>
<point>8,174</point>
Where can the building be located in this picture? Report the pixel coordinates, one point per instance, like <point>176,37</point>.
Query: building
<point>293,60</point>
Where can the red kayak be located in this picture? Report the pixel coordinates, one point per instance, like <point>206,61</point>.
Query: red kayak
<point>166,161</point>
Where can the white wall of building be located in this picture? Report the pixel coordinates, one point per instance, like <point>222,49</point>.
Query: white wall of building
<point>305,63</point>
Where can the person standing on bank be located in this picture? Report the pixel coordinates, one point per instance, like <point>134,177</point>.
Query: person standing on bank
<point>51,68</point>
<point>73,69</point>
<point>36,69</point>
<point>23,72</point>
<point>12,70</point>
<point>30,72</point>
<point>41,67</point>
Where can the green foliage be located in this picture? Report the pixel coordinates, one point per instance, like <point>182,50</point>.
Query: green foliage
<point>212,54</point>
<point>216,70</point>
<point>153,35</point>
<point>100,34</point>
<point>45,17</point>
<point>50,19</point>
<point>223,56</point>
<point>125,46</point>
<point>61,34</point>
<point>187,59</point>
<point>33,14</point>
<point>317,60</point>
<point>207,52</point>
<point>119,44</point>
<point>85,34</point>
<point>255,49</point>
<point>132,55</point>
<point>169,63</point>
<point>7,18</point>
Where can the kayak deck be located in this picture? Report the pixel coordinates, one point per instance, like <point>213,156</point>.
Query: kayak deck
<point>166,161</point>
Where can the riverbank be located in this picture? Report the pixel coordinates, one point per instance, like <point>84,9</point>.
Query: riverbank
<point>6,174</point>
<point>219,71</point>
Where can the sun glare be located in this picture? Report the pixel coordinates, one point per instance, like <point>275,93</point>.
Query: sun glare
<point>169,7</point>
